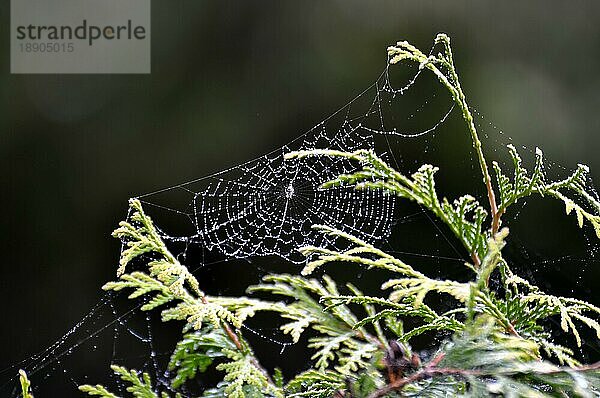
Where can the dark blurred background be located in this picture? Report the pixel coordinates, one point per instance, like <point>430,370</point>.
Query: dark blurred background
<point>232,80</point>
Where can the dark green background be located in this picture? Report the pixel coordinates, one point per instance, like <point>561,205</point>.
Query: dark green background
<point>232,80</point>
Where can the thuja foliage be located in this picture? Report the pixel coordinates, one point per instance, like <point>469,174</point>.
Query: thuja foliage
<point>25,385</point>
<point>498,345</point>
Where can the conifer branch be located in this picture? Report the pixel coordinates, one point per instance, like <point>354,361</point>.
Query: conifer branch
<point>360,342</point>
<point>168,280</point>
<point>405,51</point>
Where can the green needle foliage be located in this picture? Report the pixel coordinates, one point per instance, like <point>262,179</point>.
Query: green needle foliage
<point>25,385</point>
<point>497,344</point>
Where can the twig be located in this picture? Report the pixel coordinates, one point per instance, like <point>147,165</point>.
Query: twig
<point>431,370</point>
<point>238,344</point>
<point>461,100</point>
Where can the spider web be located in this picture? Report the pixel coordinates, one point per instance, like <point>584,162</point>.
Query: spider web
<point>267,207</point>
